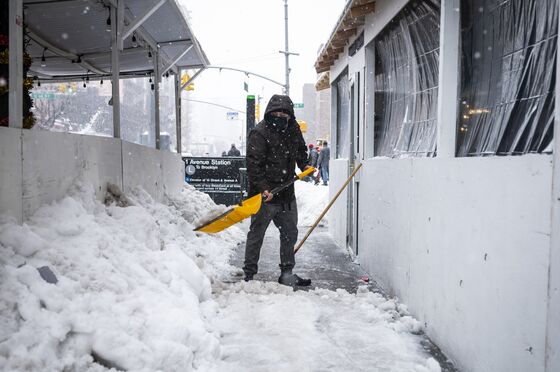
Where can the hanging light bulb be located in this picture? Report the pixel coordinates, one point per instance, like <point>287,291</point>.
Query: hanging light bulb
<point>167,75</point>
<point>108,22</point>
<point>149,53</point>
<point>134,41</point>
<point>79,60</point>
<point>38,82</point>
<point>43,61</point>
<point>101,82</point>
<point>153,87</point>
<point>150,78</point>
<point>84,84</point>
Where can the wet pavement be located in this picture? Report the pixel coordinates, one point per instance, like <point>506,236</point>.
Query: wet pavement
<point>326,264</point>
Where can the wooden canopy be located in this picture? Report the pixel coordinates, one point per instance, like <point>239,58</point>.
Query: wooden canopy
<point>353,16</point>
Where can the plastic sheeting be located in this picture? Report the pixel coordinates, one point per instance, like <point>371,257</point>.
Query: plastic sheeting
<point>508,76</point>
<point>406,82</point>
<point>343,117</point>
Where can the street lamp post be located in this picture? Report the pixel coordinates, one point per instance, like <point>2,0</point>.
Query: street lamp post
<point>287,51</point>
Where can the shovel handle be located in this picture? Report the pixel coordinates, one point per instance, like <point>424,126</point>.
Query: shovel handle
<point>300,176</point>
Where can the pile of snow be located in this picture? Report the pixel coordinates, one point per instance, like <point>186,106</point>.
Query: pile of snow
<point>311,201</point>
<point>132,283</point>
<point>138,290</point>
<point>268,327</point>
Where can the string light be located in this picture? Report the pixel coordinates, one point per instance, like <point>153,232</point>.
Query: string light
<point>108,22</point>
<point>134,41</point>
<point>43,61</point>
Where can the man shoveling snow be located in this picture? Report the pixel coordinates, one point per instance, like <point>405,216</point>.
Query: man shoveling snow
<point>275,146</point>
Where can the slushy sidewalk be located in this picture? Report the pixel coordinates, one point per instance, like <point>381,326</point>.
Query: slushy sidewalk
<point>327,265</point>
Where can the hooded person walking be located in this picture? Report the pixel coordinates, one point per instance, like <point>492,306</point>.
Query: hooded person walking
<point>275,146</point>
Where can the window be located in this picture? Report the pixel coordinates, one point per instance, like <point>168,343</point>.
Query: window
<point>342,117</point>
<point>406,82</point>
<point>508,76</point>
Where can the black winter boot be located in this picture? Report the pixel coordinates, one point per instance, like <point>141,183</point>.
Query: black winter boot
<point>292,280</point>
<point>248,277</point>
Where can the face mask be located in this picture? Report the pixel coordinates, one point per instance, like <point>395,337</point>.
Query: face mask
<point>280,123</point>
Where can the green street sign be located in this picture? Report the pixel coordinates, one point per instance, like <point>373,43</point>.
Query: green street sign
<point>251,96</point>
<point>43,95</point>
<point>298,105</point>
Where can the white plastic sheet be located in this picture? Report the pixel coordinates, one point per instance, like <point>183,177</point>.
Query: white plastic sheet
<point>509,50</point>
<point>406,82</point>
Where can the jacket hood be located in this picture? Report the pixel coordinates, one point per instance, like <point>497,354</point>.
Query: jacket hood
<point>280,103</point>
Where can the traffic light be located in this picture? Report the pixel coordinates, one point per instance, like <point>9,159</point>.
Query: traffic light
<point>302,125</point>
<point>250,113</point>
<point>184,78</point>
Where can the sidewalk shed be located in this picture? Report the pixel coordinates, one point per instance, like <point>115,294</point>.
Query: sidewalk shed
<point>451,107</point>
<point>87,41</point>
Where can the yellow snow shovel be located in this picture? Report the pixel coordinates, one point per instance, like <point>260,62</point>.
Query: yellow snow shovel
<point>247,208</point>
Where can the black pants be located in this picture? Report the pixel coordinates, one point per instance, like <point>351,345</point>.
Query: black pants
<point>285,218</point>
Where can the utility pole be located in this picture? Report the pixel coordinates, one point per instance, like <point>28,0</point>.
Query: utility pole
<point>287,51</point>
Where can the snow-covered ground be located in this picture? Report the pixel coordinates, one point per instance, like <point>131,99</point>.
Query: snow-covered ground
<point>268,327</point>
<point>138,290</point>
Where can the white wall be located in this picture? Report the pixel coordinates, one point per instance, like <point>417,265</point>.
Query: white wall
<point>157,172</point>
<point>471,245</point>
<point>38,167</point>
<point>10,173</point>
<point>52,162</point>
<point>464,242</point>
<point>553,331</point>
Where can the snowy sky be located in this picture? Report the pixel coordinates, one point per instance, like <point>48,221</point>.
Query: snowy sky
<point>248,34</point>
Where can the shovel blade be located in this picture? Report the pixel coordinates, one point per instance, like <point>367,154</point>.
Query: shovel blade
<point>232,216</point>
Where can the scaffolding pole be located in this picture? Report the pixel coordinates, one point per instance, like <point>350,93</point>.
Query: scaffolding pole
<point>178,110</point>
<point>16,64</point>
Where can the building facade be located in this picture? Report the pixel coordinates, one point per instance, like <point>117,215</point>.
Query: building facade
<point>450,108</point>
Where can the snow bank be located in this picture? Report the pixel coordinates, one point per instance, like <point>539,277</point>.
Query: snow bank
<point>138,290</point>
<point>311,200</point>
<point>132,283</point>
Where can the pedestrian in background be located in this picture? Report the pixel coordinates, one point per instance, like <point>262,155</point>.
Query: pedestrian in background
<point>323,162</point>
<point>234,151</point>
<point>312,160</point>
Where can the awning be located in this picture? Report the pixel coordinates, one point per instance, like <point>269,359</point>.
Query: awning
<point>323,82</point>
<point>351,18</point>
<point>69,38</point>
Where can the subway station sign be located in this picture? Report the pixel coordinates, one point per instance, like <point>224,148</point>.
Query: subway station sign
<point>219,177</point>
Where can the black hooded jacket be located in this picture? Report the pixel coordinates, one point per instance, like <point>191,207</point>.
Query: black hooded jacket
<point>272,154</point>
